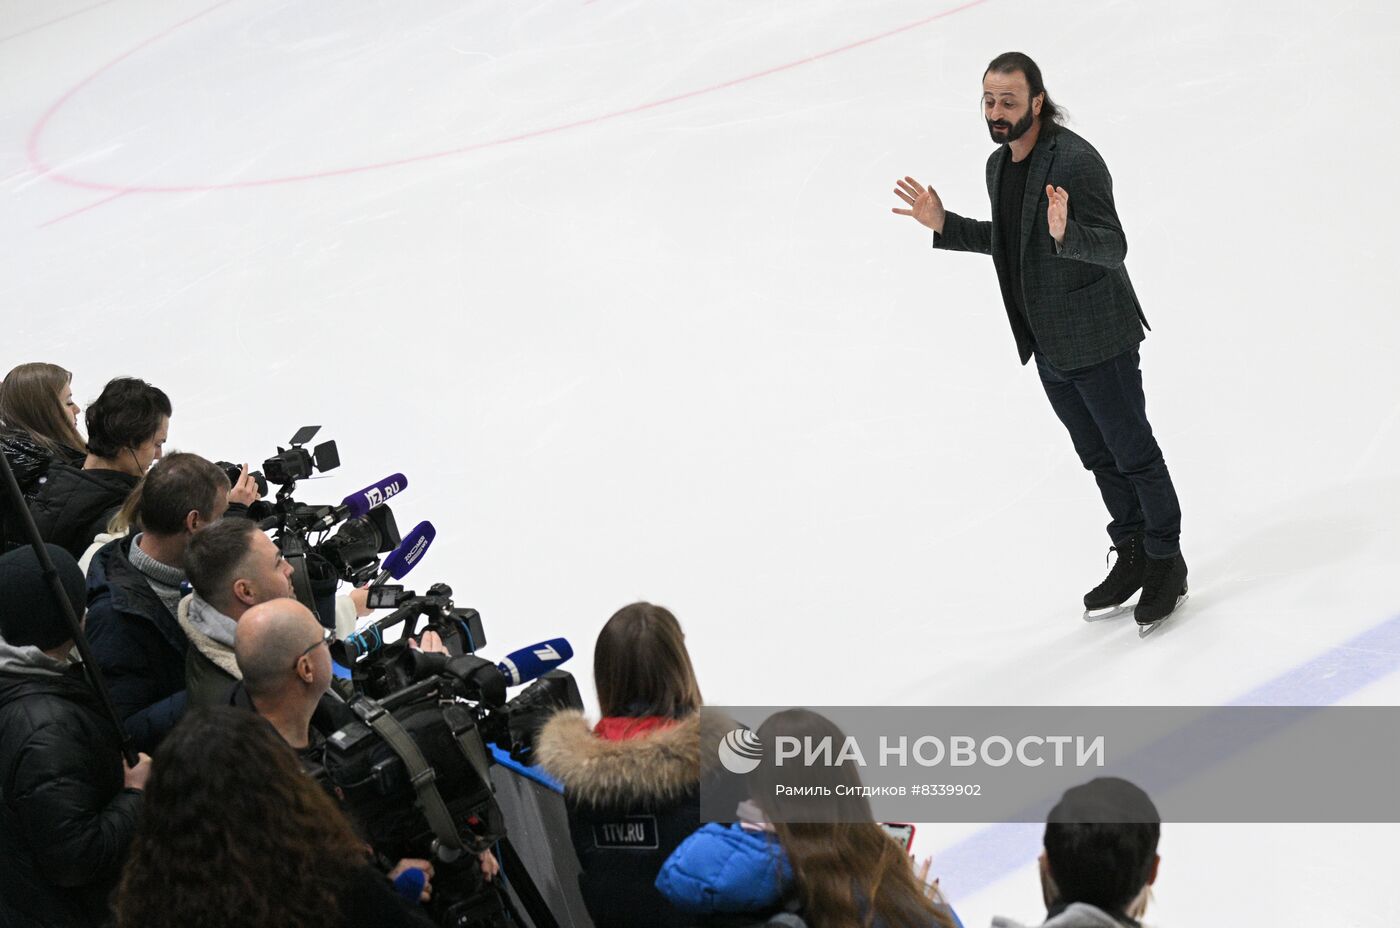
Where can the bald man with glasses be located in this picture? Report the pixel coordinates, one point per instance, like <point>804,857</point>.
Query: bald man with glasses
<point>284,654</point>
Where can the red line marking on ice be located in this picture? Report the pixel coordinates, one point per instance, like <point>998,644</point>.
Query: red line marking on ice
<point>78,212</point>
<point>15,35</point>
<point>54,174</point>
<point>32,145</point>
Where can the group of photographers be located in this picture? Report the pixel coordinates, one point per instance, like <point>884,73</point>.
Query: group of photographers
<point>217,670</point>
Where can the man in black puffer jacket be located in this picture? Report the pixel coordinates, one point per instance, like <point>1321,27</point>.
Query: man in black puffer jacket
<point>68,805</point>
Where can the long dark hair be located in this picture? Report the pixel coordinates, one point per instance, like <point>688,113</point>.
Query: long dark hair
<point>234,834</point>
<point>641,666</point>
<point>847,870</point>
<point>1051,116</point>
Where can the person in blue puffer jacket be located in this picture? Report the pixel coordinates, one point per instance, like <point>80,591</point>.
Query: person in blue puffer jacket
<point>831,874</point>
<point>728,869</point>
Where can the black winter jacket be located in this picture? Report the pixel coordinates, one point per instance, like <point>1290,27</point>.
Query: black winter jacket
<point>630,804</point>
<point>65,820</point>
<point>30,462</point>
<point>137,643</point>
<point>71,506</point>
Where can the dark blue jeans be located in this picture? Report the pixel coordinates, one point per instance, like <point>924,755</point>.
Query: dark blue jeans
<point>1106,413</point>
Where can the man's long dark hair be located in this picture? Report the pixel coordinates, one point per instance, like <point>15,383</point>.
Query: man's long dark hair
<point>1051,116</point>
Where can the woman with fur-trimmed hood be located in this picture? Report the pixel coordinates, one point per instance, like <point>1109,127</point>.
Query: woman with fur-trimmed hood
<point>632,782</point>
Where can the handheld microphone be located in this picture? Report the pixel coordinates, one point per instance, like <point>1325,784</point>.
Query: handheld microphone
<point>407,555</point>
<point>527,664</point>
<point>358,504</point>
<point>410,883</point>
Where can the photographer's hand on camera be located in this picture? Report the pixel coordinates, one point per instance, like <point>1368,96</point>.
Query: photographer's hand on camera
<point>430,642</point>
<point>489,865</point>
<point>245,489</point>
<point>360,597</point>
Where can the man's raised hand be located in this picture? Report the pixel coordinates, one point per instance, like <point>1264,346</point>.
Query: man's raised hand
<point>925,206</point>
<point>1058,212</point>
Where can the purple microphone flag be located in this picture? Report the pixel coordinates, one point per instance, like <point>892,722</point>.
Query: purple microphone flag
<point>376,494</point>
<point>410,551</point>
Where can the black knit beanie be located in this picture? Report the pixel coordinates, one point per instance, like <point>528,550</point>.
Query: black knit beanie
<point>28,613</point>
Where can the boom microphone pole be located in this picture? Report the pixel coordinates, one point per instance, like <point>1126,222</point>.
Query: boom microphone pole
<point>46,564</point>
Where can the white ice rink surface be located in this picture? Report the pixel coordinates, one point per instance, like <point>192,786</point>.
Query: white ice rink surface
<point>616,284</point>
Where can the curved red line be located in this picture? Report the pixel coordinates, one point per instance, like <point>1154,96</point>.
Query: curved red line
<point>46,170</point>
<point>52,22</point>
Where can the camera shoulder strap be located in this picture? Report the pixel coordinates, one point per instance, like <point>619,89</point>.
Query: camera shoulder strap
<point>419,772</point>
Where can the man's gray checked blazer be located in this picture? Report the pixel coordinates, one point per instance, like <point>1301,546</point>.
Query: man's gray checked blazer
<point>1081,305</point>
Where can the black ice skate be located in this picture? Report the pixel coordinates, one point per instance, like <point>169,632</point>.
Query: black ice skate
<point>1105,601</point>
<point>1163,589</point>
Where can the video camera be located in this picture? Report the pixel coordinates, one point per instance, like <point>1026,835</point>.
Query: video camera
<point>414,767</point>
<point>367,527</point>
<point>295,463</point>
<point>290,464</point>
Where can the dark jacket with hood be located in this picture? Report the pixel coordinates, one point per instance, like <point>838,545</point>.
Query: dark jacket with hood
<point>30,461</point>
<point>138,644</point>
<point>65,819</point>
<point>71,506</point>
<point>631,799</point>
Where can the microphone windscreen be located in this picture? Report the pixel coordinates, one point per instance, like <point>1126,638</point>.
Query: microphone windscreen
<point>375,494</point>
<point>528,664</point>
<point>410,883</point>
<point>410,551</point>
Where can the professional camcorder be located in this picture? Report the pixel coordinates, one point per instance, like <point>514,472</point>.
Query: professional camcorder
<point>414,768</point>
<point>290,464</point>
<point>410,760</point>
<point>295,463</point>
<point>320,558</point>
<point>234,471</point>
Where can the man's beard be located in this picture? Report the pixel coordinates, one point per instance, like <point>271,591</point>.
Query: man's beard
<point>1021,127</point>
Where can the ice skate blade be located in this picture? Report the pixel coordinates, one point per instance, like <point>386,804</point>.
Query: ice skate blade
<point>1103,615</point>
<point>1150,627</point>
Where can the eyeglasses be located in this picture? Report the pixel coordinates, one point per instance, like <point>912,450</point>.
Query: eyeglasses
<point>327,636</point>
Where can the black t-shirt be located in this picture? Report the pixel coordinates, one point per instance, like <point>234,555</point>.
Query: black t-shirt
<point>1010,198</point>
